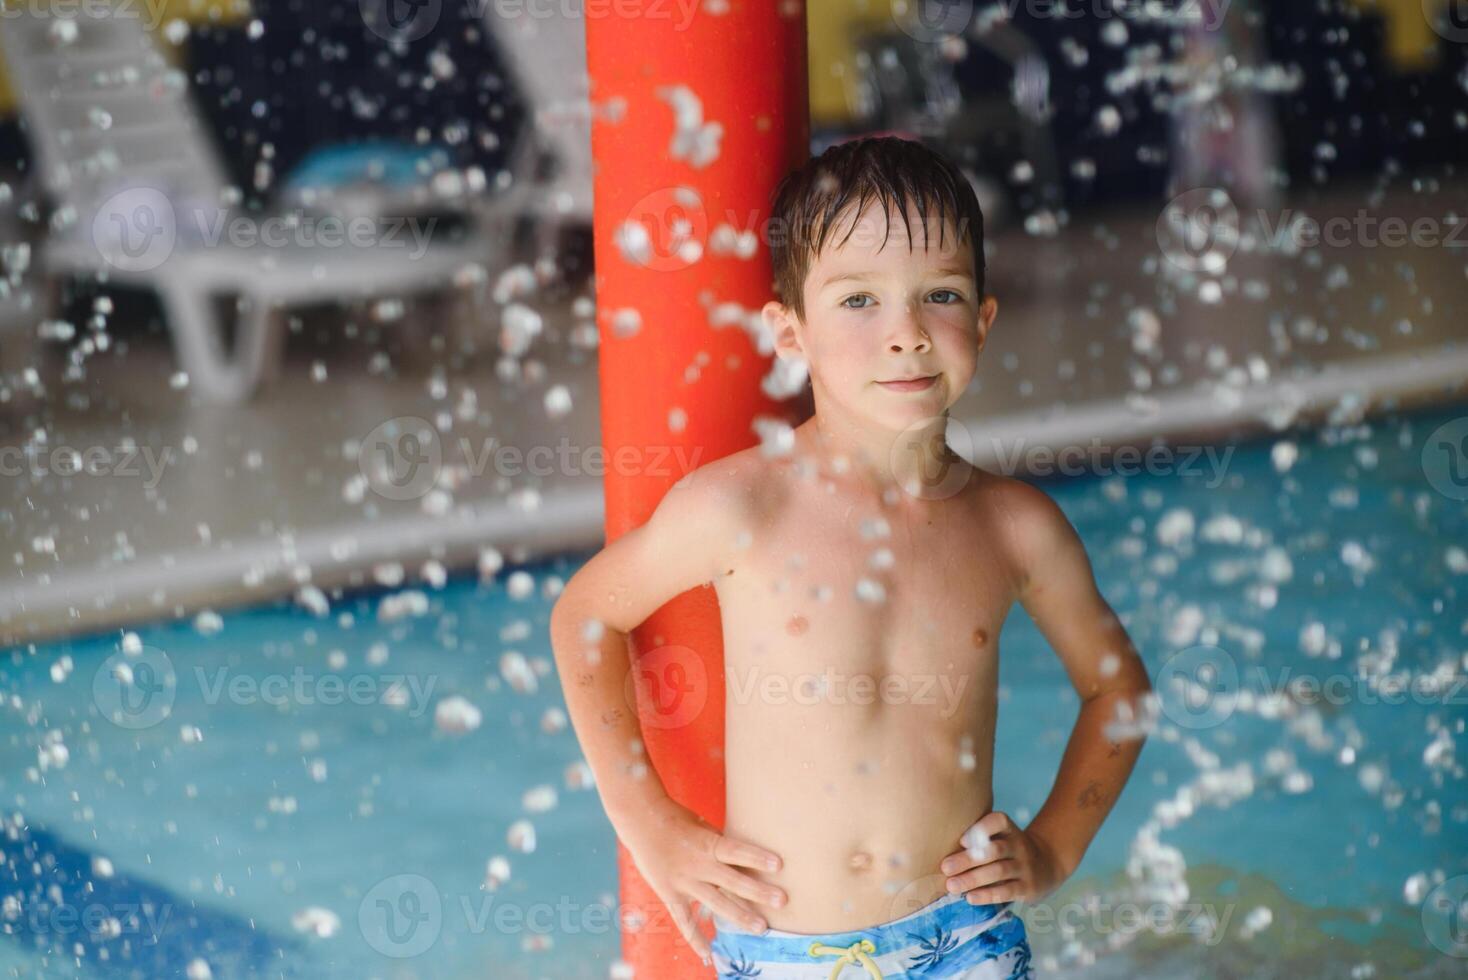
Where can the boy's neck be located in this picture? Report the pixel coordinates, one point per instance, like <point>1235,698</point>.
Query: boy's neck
<point>914,463</point>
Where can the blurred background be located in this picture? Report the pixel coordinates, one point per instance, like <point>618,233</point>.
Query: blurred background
<point>297,386</point>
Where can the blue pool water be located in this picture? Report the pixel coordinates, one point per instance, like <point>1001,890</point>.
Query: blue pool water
<point>283,801</point>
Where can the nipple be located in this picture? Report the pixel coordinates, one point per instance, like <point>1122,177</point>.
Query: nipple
<point>797,625</point>
<point>980,637</point>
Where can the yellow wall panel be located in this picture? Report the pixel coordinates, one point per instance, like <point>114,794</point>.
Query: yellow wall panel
<point>155,13</point>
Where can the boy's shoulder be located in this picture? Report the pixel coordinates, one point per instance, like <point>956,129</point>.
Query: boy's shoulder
<point>1011,493</point>
<point>729,484</point>
<point>736,470</point>
<point>1026,516</point>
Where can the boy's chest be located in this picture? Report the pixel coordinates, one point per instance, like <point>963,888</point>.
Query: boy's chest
<point>831,585</point>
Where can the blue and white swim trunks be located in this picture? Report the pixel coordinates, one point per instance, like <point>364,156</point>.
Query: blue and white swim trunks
<point>948,938</point>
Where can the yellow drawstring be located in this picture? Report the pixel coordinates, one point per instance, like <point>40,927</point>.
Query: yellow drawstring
<point>855,953</point>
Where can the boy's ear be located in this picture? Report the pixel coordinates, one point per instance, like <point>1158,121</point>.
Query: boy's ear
<point>988,309</point>
<point>782,323</point>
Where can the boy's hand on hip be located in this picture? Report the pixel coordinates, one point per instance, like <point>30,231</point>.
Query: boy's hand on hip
<point>1000,862</point>
<point>683,858</point>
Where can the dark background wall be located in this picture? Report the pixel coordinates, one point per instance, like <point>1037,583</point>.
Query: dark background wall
<point>318,75</point>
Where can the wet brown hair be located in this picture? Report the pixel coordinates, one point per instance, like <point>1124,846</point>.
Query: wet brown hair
<point>899,173</point>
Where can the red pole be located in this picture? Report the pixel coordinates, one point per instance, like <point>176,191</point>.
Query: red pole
<point>696,117</point>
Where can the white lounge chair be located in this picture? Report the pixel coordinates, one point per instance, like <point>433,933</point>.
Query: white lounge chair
<point>127,159</point>
<point>545,57</point>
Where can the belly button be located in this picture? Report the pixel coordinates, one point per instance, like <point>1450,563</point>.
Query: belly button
<point>860,861</point>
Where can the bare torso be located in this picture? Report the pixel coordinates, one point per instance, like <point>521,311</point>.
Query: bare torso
<point>861,676</point>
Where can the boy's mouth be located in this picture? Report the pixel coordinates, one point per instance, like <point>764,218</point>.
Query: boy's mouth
<point>914,384</point>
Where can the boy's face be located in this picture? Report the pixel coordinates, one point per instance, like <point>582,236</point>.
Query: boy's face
<point>877,311</point>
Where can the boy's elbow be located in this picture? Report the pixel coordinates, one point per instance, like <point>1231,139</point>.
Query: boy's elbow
<point>1140,678</point>
<point>1130,683</point>
<point>1138,684</point>
<point>575,608</point>
<point>564,613</point>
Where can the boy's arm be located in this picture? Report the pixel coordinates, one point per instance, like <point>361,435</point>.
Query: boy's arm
<point>999,861</point>
<point>696,527</point>
<point>680,546</point>
<point>1058,590</point>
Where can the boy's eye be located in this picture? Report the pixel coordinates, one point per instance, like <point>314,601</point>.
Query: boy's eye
<point>953,297</point>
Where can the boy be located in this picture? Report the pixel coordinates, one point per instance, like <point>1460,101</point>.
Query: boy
<point>863,577</point>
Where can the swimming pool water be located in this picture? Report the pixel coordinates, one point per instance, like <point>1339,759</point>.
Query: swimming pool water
<point>247,804</point>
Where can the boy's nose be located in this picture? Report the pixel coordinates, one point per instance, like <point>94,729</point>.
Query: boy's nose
<point>910,335</point>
